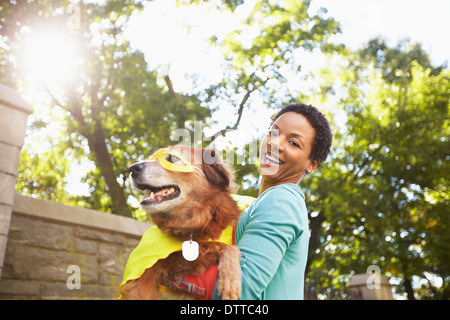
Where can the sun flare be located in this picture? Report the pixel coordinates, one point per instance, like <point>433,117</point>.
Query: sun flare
<point>50,58</point>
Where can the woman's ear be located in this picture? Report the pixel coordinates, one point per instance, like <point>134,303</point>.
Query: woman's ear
<point>215,172</point>
<point>312,166</point>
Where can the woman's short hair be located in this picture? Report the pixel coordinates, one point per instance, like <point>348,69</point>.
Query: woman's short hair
<point>322,140</point>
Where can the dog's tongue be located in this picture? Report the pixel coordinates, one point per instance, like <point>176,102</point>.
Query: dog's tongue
<point>155,197</point>
<point>158,195</point>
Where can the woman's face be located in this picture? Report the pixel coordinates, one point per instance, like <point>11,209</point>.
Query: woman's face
<point>286,148</point>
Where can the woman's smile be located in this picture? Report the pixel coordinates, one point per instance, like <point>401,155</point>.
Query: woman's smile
<point>271,160</point>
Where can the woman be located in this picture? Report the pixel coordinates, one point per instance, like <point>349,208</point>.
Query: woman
<point>272,233</point>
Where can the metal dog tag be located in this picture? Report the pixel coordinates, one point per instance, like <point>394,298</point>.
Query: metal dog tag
<point>189,250</point>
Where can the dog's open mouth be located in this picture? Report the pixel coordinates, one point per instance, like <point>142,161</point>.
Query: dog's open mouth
<point>155,195</point>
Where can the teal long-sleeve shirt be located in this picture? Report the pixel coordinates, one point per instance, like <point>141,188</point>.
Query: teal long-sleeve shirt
<point>273,236</point>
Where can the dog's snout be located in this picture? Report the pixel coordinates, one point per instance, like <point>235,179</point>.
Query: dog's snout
<point>136,168</point>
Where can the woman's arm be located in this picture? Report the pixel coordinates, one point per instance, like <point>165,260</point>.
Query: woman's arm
<point>273,224</point>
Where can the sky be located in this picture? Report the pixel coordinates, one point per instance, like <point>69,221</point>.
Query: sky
<point>423,21</point>
<point>160,32</point>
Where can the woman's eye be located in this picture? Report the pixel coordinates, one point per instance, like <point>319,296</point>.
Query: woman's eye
<point>272,132</point>
<point>295,144</point>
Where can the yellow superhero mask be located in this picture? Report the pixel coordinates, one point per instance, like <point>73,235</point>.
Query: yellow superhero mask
<point>168,163</point>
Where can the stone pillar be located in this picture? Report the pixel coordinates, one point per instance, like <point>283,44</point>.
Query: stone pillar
<point>367,286</point>
<point>14,112</point>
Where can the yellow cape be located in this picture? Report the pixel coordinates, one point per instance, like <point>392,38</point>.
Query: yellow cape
<point>155,245</point>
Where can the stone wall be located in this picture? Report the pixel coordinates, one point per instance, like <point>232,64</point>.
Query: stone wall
<point>50,245</point>
<point>14,112</point>
<point>49,250</point>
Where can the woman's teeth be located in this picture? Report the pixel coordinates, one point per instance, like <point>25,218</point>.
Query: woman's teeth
<point>272,160</point>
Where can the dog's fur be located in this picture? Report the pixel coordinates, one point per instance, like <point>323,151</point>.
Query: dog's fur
<point>203,208</point>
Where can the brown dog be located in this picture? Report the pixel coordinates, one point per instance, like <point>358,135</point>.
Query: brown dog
<point>194,205</point>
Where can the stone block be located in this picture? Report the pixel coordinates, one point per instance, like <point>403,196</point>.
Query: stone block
<point>19,288</point>
<point>13,123</point>
<point>10,97</point>
<point>110,255</point>
<point>9,159</point>
<point>59,291</point>
<point>90,221</point>
<point>97,235</point>
<point>132,242</point>
<point>85,246</point>
<point>47,265</point>
<point>3,243</point>
<point>39,233</point>
<point>7,187</point>
<point>109,280</point>
<point>5,218</point>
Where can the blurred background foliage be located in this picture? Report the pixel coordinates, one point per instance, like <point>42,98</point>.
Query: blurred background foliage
<point>380,199</point>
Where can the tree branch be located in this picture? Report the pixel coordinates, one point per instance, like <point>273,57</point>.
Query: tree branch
<point>238,120</point>
<point>74,111</point>
<point>170,86</point>
<point>363,165</point>
<point>240,110</point>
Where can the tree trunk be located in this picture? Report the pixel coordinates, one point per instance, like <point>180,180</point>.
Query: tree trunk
<point>314,240</point>
<point>97,145</point>
<point>96,142</point>
<point>408,283</point>
<point>408,288</point>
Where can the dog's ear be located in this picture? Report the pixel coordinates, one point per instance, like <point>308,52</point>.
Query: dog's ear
<point>215,172</point>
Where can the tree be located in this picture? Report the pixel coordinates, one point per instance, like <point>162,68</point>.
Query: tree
<point>274,33</point>
<point>114,109</point>
<point>382,199</point>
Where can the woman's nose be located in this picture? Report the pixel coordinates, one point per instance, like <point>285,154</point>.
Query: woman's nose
<point>275,144</point>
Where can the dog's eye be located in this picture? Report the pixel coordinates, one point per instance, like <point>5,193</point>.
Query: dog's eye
<point>172,158</point>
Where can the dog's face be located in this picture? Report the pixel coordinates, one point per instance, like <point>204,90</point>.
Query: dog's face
<point>176,176</point>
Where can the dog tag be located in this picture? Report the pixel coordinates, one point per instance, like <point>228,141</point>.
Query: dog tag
<point>189,250</point>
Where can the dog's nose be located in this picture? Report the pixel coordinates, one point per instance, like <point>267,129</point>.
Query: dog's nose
<point>136,168</point>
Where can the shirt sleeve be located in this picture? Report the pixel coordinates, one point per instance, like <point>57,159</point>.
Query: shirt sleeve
<point>272,226</point>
